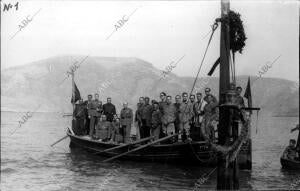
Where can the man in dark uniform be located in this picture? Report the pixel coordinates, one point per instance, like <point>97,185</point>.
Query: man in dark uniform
<point>109,110</point>
<point>80,117</point>
<point>88,104</point>
<point>291,152</point>
<point>138,116</point>
<point>162,102</point>
<point>192,121</point>
<point>146,118</point>
<point>177,106</point>
<point>298,141</point>
<point>119,138</point>
<point>126,116</point>
<point>239,98</point>
<point>156,121</point>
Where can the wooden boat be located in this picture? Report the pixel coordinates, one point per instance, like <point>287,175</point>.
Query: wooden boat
<point>289,164</point>
<point>191,153</point>
<point>194,153</point>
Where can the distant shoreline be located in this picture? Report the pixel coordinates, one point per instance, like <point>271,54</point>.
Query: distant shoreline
<point>285,115</point>
<point>64,113</point>
<point>34,112</point>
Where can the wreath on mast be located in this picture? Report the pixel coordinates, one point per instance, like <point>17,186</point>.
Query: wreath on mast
<point>236,32</point>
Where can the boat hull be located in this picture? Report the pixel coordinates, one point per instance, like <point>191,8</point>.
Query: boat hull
<point>289,164</point>
<point>195,153</point>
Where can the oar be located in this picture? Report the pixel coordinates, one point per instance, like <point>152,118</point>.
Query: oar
<point>59,140</point>
<point>121,146</point>
<point>141,147</point>
<point>294,129</point>
<point>67,115</point>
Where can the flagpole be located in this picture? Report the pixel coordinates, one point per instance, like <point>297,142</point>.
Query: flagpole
<point>73,92</point>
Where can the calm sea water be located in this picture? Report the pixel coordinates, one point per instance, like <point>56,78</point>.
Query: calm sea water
<point>29,163</point>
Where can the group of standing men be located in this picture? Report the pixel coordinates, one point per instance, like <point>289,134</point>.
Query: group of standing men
<point>184,117</point>
<point>157,119</point>
<point>101,121</point>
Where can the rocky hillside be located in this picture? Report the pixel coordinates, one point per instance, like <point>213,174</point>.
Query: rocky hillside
<point>40,84</point>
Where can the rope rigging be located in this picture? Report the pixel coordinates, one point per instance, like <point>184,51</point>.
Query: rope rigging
<point>214,27</point>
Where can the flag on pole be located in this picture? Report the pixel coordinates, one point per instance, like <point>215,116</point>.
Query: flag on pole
<point>76,94</point>
<point>247,94</point>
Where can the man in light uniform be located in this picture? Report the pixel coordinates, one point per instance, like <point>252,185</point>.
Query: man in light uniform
<point>199,113</point>
<point>207,93</point>
<point>185,115</point>
<point>126,116</point>
<point>168,117</point>
<point>94,114</point>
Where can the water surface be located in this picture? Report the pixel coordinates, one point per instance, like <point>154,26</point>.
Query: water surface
<point>29,163</point>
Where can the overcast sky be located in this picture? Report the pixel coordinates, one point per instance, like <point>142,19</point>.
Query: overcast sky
<point>158,32</point>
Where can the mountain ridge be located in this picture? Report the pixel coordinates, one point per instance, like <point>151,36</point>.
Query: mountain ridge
<point>38,82</point>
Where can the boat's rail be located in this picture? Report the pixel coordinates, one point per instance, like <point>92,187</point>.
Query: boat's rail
<point>200,143</point>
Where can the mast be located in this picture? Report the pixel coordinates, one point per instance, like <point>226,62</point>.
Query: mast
<point>227,178</point>
<point>224,51</point>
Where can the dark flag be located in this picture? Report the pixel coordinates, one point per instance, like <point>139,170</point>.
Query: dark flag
<point>217,62</point>
<point>76,93</point>
<point>247,94</point>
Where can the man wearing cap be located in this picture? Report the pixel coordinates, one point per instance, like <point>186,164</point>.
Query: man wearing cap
<point>126,121</point>
<point>146,112</point>
<point>109,110</point>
